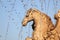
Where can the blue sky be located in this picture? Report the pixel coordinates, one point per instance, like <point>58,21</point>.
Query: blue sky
<point>12,13</point>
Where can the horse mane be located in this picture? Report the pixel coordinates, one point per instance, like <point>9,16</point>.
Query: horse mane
<point>33,10</point>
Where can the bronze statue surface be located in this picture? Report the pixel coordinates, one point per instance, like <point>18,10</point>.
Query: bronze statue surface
<point>43,28</point>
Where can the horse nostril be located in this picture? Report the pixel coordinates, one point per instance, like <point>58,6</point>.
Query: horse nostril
<point>23,23</point>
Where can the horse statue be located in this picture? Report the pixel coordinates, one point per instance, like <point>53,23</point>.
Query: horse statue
<point>42,24</point>
<point>56,31</point>
<point>57,17</point>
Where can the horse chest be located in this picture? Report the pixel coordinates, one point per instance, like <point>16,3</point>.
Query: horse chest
<point>37,35</point>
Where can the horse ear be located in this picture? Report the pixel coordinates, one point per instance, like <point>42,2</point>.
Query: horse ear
<point>28,11</point>
<point>35,10</point>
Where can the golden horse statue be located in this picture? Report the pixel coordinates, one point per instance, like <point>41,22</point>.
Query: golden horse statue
<point>42,24</point>
<point>55,33</point>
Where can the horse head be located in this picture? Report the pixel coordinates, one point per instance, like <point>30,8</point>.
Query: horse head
<point>28,17</point>
<point>57,16</point>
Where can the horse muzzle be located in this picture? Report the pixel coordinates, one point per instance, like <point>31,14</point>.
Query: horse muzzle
<point>24,23</point>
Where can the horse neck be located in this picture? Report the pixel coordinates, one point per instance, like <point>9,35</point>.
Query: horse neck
<point>36,18</point>
<point>37,23</point>
<point>58,25</point>
<point>58,22</point>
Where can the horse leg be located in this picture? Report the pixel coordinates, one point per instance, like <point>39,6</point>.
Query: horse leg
<point>28,38</point>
